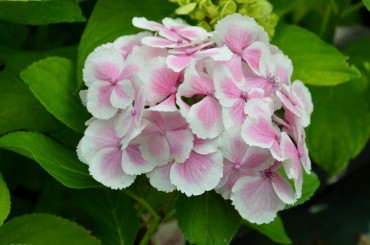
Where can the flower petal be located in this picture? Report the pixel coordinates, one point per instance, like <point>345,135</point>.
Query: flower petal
<point>154,149</point>
<point>238,32</point>
<point>292,164</point>
<point>283,189</point>
<point>132,161</point>
<point>199,173</point>
<point>99,102</point>
<point>159,178</point>
<point>205,118</point>
<point>181,143</point>
<point>122,94</point>
<point>256,200</point>
<point>106,168</point>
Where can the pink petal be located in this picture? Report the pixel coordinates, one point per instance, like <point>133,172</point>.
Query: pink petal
<point>98,100</point>
<point>292,164</point>
<point>167,121</point>
<point>255,199</point>
<point>103,64</point>
<point>181,143</point>
<point>144,23</point>
<point>260,131</point>
<point>226,88</point>
<point>205,118</point>
<point>199,173</point>
<point>159,178</point>
<point>289,102</point>
<point>122,94</point>
<point>168,105</point>
<point>125,44</point>
<point>257,158</point>
<point>303,94</point>
<point>205,146</point>
<point>158,81</point>
<point>132,161</point>
<point>283,189</point>
<point>179,62</point>
<point>218,54</point>
<point>234,116</point>
<point>155,149</point>
<point>253,53</point>
<point>238,32</point>
<point>106,168</point>
<point>305,159</point>
<point>256,106</point>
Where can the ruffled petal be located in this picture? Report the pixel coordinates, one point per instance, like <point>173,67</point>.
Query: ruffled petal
<point>106,168</point>
<point>283,189</point>
<point>205,118</point>
<point>199,173</point>
<point>99,100</point>
<point>159,178</point>
<point>256,200</point>
<point>132,161</point>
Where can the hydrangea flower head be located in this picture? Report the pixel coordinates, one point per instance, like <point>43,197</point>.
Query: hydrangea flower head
<point>196,111</point>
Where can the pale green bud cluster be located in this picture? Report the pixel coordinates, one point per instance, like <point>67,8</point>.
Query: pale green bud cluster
<point>209,12</point>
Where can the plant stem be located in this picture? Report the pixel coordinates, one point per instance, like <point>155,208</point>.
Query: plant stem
<point>169,215</point>
<point>143,203</point>
<point>352,8</point>
<point>148,235</point>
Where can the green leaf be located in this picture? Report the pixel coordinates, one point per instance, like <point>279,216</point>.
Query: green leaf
<point>56,159</point>
<point>367,4</point>
<point>274,230</point>
<point>112,18</point>
<point>112,214</point>
<point>4,200</point>
<point>315,62</point>
<point>19,109</point>
<point>207,219</point>
<point>40,12</point>
<point>44,229</point>
<point>340,125</point>
<point>310,184</point>
<point>52,81</point>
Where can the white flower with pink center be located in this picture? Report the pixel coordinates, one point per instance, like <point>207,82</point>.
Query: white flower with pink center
<point>260,196</point>
<point>109,79</point>
<point>197,111</point>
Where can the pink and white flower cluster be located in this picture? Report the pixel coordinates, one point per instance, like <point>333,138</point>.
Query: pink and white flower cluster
<point>197,111</point>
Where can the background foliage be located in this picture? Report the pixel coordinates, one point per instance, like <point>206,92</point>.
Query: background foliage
<point>43,186</point>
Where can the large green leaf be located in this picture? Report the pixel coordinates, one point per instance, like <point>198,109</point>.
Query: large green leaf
<point>112,214</point>
<point>315,62</point>
<point>340,125</point>
<point>52,81</point>
<point>112,18</point>
<point>56,159</point>
<point>274,230</point>
<point>19,109</point>
<point>4,200</point>
<point>40,12</point>
<point>207,219</point>
<point>44,229</point>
